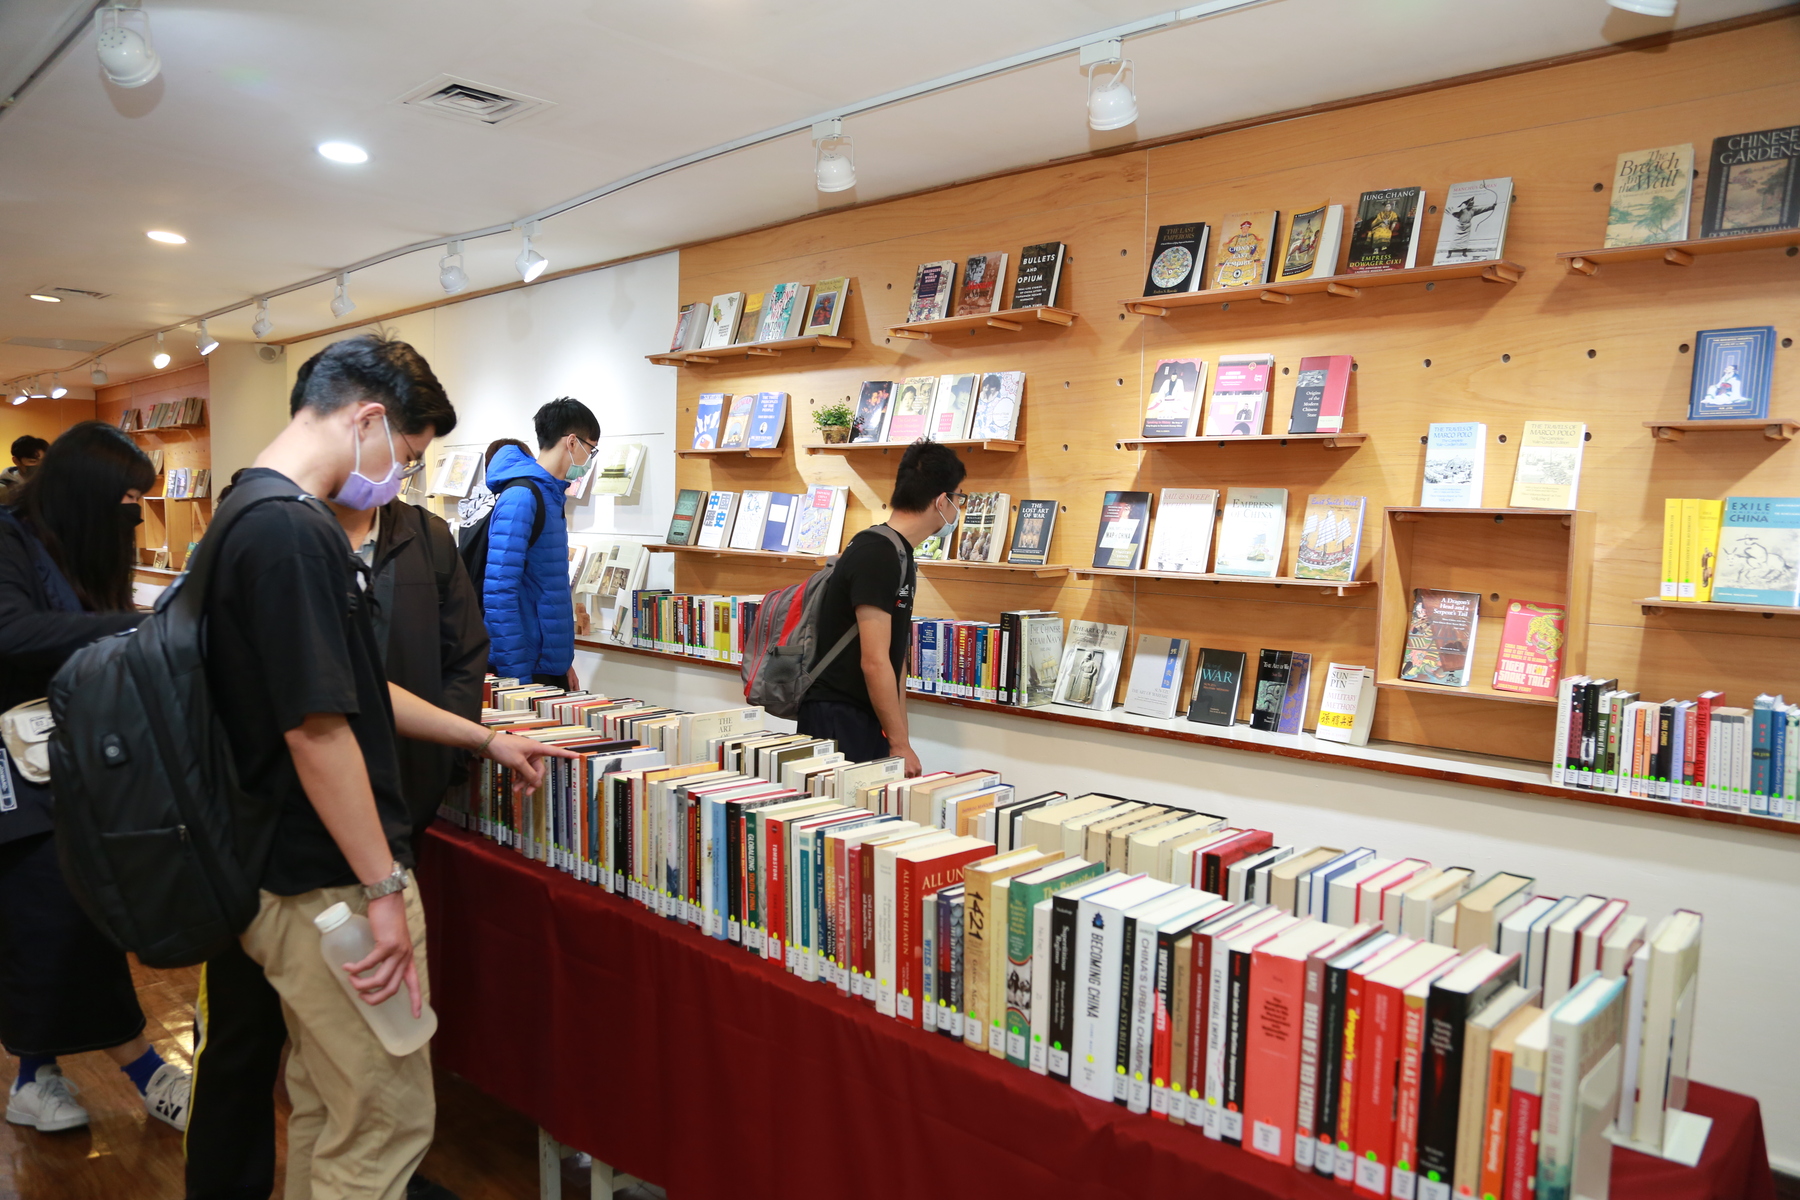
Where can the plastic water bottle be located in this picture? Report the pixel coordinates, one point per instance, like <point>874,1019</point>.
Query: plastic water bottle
<point>345,937</point>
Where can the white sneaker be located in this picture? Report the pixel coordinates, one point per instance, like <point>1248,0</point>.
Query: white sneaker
<point>47,1103</point>
<point>166,1098</point>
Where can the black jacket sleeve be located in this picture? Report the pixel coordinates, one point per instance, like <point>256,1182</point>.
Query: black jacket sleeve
<point>462,637</point>
<point>35,641</point>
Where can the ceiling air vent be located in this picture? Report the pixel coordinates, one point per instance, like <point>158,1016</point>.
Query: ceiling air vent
<point>476,103</point>
<point>82,293</point>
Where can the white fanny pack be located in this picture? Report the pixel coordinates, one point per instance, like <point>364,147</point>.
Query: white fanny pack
<point>26,730</point>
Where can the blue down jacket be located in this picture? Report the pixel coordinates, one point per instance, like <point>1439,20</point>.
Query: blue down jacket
<point>530,617</point>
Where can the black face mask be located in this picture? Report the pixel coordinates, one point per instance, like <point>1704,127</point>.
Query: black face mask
<point>130,516</point>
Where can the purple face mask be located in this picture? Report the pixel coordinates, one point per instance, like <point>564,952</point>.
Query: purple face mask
<point>361,492</point>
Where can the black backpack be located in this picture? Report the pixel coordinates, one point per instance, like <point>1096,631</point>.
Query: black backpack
<point>158,841</point>
<point>472,542</point>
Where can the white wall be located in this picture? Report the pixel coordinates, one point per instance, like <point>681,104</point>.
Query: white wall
<point>248,406</point>
<point>501,357</point>
<point>1743,880</point>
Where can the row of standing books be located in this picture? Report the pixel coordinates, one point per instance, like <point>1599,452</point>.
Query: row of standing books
<point>942,408</point>
<point>187,483</point>
<point>809,522</point>
<point>168,415</point>
<point>746,421</point>
<point>1409,1029</point>
<point>1751,187</point>
<point>1739,550</point>
<point>1702,753</point>
<point>935,293</point>
<point>1239,403</point>
<point>782,312</point>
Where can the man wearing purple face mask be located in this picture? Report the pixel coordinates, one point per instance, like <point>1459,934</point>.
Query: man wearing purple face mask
<point>299,685</point>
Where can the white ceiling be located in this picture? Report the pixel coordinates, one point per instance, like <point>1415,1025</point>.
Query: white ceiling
<point>220,146</point>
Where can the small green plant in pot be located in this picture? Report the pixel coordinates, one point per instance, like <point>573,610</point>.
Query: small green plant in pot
<point>834,422</point>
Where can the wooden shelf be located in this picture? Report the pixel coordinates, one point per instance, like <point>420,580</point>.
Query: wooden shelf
<point>1475,770</point>
<point>1347,287</point>
<point>1776,429</point>
<point>163,429</point>
<point>1010,319</point>
<point>817,560</point>
<point>1330,441</point>
<point>1476,690</point>
<point>1565,515</point>
<point>1048,571</point>
<point>997,445</point>
<point>1656,604</point>
<point>759,452</point>
<point>773,349</point>
<point>1676,254</point>
<point>1340,586</point>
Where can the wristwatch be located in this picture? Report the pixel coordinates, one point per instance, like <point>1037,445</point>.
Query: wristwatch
<point>395,881</point>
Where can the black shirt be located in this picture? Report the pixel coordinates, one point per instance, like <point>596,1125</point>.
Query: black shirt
<point>288,634</point>
<point>868,572</point>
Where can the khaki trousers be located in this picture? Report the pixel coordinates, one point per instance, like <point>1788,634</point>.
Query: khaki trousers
<point>362,1118</point>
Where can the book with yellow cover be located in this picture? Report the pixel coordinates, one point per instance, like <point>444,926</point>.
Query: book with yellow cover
<point>984,942</point>
<point>1548,474</point>
<point>1700,547</point>
<point>1246,246</point>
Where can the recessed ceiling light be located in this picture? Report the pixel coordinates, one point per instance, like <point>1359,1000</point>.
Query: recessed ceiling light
<point>343,152</point>
<point>167,238</point>
<point>44,298</point>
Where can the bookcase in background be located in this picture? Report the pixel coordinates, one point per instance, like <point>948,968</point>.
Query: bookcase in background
<point>170,523</point>
<point>1500,348</point>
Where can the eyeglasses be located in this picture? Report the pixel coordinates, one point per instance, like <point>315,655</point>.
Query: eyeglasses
<point>960,499</point>
<point>415,461</point>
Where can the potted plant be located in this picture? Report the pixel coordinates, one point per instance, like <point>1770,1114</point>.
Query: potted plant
<point>834,423</point>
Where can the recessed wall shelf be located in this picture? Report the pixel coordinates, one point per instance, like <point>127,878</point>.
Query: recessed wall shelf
<point>1342,587</point>
<point>1776,429</point>
<point>678,358</point>
<point>760,452</point>
<point>817,560</point>
<point>1657,605</point>
<point>1330,441</point>
<point>1348,287</point>
<point>1009,319</point>
<point>935,566</point>
<point>1001,446</point>
<point>1676,254</point>
<point>1477,689</point>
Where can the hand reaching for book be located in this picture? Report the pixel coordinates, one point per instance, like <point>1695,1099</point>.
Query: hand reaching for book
<point>523,755</point>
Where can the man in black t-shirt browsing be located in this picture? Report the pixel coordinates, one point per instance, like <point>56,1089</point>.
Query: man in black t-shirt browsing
<point>298,683</point>
<point>859,699</point>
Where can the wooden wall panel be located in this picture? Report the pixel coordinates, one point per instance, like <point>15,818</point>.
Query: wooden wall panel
<point>171,522</point>
<point>1461,350</point>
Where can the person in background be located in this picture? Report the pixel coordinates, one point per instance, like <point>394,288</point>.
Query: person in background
<point>298,682</point>
<point>429,634</point>
<point>27,453</point>
<point>526,597</point>
<point>66,550</point>
<point>859,699</point>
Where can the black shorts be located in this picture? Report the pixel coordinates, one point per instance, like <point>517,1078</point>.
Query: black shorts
<point>857,731</point>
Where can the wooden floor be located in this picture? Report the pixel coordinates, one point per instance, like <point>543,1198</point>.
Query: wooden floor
<point>484,1150</point>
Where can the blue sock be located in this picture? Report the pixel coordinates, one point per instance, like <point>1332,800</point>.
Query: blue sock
<point>28,1068</point>
<point>141,1070</point>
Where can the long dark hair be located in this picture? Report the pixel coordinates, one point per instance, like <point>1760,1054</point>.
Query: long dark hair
<point>72,502</point>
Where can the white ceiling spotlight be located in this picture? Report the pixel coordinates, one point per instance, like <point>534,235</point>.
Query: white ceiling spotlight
<point>206,343</point>
<point>21,397</point>
<point>160,359</point>
<point>262,326</point>
<point>451,276</point>
<point>44,297</point>
<point>343,152</point>
<point>530,264</point>
<point>834,158</point>
<point>126,53</point>
<point>166,238</point>
<point>341,304</point>
<point>97,376</point>
<point>37,389</point>
<point>1649,8</point>
<point>57,390</point>
<point>1113,104</point>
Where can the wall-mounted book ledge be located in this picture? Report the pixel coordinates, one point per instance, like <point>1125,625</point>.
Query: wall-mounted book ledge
<point>680,358</point>
<point>1477,770</point>
<point>1330,441</point>
<point>741,452</point>
<point>1342,587</point>
<point>1678,254</point>
<point>951,566</point>
<point>1776,429</point>
<point>815,560</point>
<point>1347,287</point>
<point>1010,319</point>
<point>999,445</point>
<point>1658,606</point>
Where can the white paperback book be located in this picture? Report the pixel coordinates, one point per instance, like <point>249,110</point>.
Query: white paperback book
<point>1181,535</point>
<point>1089,673</point>
<point>1100,952</point>
<point>722,320</point>
<point>1474,228</point>
<point>1347,705</point>
<point>1455,456</point>
<point>1156,673</point>
<point>715,521</point>
<point>753,512</point>
<point>1252,532</point>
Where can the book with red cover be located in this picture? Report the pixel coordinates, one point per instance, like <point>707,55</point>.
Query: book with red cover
<point>1319,388</point>
<point>1531,642</point>
<point>774,863</point>
<point>1406,1098</point>
<point>1523,1111</point>
<point>1213,861</point>
<point>1271,1068</point>
<point>1312,1026</point>
<point>1350,1057</point>
<point>1499,1100</point>
<point>1378,1061</point>
<point>918,874</point>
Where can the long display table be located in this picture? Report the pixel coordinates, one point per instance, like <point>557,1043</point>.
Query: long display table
<point>681,1059</point>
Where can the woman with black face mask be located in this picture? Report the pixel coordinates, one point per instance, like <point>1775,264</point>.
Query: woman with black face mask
<point>66,548</point>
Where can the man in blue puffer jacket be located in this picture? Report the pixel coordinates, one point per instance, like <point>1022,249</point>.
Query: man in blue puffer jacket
<point>530,614</point>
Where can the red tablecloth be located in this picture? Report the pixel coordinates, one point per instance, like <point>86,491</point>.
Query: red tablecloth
<point>682,1060</point>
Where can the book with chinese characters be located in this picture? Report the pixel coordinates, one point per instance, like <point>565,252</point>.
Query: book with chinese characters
<point>1385,236</point>
<point>954,405</point>
<point>1119,544</point>
<point>983,285</point>
<point>827,308</point>
<point>767,420</point>
<point>1733,369</point>
<point>1039,275</point>
<point>1246,246</point>
<point>1347,705</point>
<point>1032,530</point>
<point>1252,532</point>
<point>1176,388</point>
<point>912,409</point>
<point>1320,385</point>
<point>1154,689</point>
<point>1311,245</point>
<point>1531,642</point>
<point>716,518</point>
<point>707,417</point>
<point>1182,537</point>
<point>1455,458</point>
<point>932,287</point>
<point>1752,183</point>
<point>1548,474</point>
<point>1330,538</point>
<point>1178,260</point>
<point>737,421</point>
<point>1440,637</point>
<point>722,319</point>
<point>1650,195</point>
<point>1089,673</point>
<point>1240,395</point>
<point>997,407</point>
<point>870,423</point>
<point>1218,680</point>
<point>1474,228</point>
